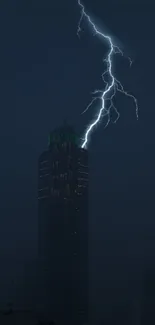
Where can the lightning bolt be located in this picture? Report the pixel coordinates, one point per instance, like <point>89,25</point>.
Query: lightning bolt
<point>111,87</point>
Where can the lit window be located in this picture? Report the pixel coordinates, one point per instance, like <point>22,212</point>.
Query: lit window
<point>43,197</point>
<point>44,175</point>
<point>43,162</point>
<point>45,168</point>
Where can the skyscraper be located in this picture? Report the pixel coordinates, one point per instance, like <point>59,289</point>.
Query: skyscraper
<point>63,227</point>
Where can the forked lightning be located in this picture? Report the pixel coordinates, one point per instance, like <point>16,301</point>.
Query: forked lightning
<point>110,87</point>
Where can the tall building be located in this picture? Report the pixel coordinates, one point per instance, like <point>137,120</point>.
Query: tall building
<point>63,227</point>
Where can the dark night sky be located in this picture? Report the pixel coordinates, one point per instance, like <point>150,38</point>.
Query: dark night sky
<point>47,74</point>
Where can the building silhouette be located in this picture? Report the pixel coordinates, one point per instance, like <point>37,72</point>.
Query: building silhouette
<point>63,228</point>
<point>148,297</point>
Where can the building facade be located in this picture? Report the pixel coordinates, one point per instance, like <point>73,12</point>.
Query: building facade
<point>63,227</point>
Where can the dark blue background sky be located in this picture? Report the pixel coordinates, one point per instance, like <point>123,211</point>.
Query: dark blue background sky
<point>46,75</point>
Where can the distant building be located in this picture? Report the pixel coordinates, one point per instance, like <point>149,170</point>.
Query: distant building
<point>148,298</point>
<point>63,227</point>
